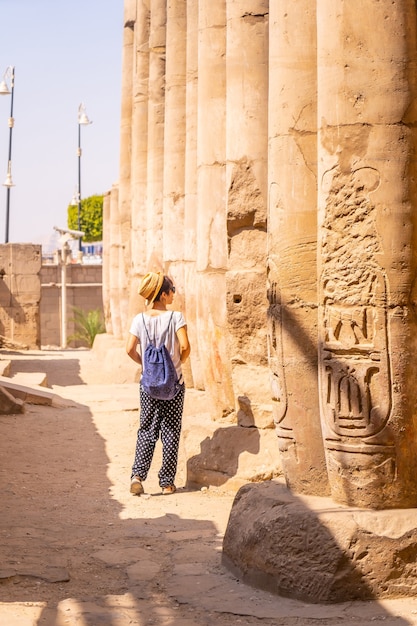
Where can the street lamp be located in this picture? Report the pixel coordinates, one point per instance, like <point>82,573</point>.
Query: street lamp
<point>64,253</point>
<point>82,121</point>
<point>8,183</point>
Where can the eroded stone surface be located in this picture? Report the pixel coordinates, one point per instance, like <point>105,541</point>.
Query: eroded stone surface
<point>228,455</point>
<point>20,293</point>
<point>311,549</point>
<point>266,166</point>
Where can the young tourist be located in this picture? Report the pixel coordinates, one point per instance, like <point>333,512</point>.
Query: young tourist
<point>158,418</point>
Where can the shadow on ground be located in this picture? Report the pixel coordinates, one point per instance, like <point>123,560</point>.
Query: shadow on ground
<point>61,368</point>
<point>76,548</point>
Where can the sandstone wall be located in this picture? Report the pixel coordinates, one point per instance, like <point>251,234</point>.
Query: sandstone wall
<point>20,294</point>
<point>84,291</point>
<point>267,165</point>
<point>30,296</point>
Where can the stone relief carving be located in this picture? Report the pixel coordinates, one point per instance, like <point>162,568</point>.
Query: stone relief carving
<point>275,356</point>
<point>355,372</point>
<point>274,323</point>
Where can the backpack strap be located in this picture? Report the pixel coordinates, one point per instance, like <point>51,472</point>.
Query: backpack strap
<point>144,323</point>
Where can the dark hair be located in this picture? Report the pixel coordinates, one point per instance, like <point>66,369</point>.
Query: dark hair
<point>165,287</point>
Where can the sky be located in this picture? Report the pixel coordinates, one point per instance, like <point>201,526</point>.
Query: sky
<point>65,52</point>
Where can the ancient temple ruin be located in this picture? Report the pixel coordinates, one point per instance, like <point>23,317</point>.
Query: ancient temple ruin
<point>268,165</point>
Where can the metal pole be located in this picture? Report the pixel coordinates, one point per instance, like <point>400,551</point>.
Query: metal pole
<point>63,296</point>
<point>79,183</point>
<point>9,164</point>
<point>6,236</point>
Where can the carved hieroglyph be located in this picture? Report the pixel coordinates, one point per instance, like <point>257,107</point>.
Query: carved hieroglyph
<point>286,126</point>
<point>355,369</point>
<point>366,266</point>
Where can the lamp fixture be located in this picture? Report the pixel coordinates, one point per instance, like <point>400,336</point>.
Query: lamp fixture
<point>4,87</point>
<point>74,199</point>
<point>82,121</point>
<point>82,116</point>
<point>9,182</point>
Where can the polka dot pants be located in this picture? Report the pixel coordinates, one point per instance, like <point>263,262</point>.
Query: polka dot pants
<point>159,417</point>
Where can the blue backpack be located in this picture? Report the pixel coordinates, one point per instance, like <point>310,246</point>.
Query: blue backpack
<point>159,378</point>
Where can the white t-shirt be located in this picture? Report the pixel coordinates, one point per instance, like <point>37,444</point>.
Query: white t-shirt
<point>156,325</point>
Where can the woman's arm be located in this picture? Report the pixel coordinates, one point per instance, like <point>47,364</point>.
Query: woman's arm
<point>185,348</point>
<point>132,348</point>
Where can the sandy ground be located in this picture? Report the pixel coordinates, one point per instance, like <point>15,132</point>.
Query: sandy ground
<point>78,549</point>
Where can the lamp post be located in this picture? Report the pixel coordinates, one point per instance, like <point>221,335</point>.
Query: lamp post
<point>64,253</point>
<point>82,121</point>
<point>8,183</point>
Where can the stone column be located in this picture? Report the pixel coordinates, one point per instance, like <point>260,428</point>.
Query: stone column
<point>113,272</point>
<point>156,118</point>
<point>139,152</point>
<point>120,212</point>
<point>174,153</point>
<point>211,220</point>
<point>190,191</point>
<point>174,136</point>
<point>246,184</point>
<point>190,204</point>
<point>292,228</point>
<point>367,322</point>
<point>106,262</point>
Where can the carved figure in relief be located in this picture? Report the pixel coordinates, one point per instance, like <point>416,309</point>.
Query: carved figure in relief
<point>274,322</point>
<point>355,366</point>
<point>274,336</point>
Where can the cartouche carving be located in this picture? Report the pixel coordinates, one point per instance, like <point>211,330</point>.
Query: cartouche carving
<point>356,385</point>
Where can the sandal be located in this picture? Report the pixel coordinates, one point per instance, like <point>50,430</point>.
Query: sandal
<point>166,491</point>
<point>136,486</point>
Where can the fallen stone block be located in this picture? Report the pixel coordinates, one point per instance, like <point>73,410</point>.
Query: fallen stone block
<point>5,367</point>
<point>9,405</point>
<point>314,550</point>
<point>228,456</point>
<point>31,395</point>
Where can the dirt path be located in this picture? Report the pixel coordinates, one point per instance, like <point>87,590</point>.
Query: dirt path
<point>77,548</point>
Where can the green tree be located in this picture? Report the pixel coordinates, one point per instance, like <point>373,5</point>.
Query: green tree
<point>91,218</point>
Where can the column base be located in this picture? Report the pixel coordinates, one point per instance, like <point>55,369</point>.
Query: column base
<point>317,551</point>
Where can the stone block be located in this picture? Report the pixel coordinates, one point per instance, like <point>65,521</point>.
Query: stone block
<point>5,367</point>
<point>247,251</point>
<point>27,286</point>
<point>252,381</point>
<point>246,306</point>
<point>20,258</point>
<point>32,394</point>
<point>252,414</point>
<point>5,294</point>
<point>111,355</point>
<point>9,405</point>
<point>311,549</point>
<point>228,456</point>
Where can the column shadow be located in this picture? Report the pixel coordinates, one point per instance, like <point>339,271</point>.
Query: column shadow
<point>77,548</point>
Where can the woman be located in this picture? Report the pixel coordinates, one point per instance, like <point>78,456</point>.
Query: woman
<point>158,417</point>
